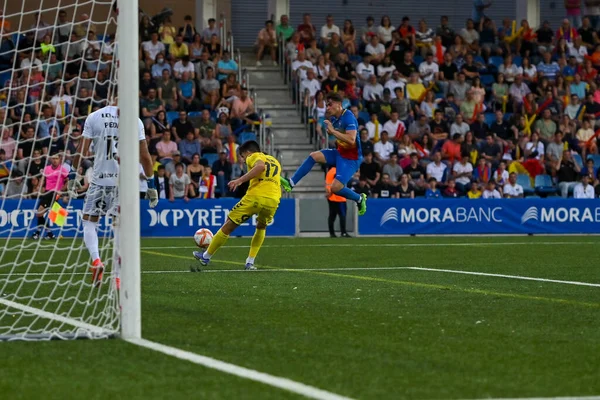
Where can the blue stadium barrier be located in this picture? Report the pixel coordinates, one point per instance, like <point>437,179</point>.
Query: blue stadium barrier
<point>553,215</point>
<point>176,219</point>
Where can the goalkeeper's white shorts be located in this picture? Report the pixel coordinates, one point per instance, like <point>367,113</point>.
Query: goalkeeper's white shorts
<point>101,200</point>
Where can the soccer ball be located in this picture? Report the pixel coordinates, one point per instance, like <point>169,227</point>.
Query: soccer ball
<point>203,237</point>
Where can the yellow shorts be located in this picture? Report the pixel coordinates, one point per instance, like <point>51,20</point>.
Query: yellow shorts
<point>263,207</point>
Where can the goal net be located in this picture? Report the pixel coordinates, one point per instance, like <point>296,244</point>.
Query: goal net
<point>57,65</point>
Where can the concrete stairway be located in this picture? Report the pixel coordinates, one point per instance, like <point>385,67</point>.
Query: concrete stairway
<point>290,138</point>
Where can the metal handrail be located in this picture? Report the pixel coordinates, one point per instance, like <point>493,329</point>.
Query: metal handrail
<point>222,28</point>
<point>238,58</point>
<point>230,37</point>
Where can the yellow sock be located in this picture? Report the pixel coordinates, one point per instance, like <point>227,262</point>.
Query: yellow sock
<point>257,241</point>
<point>217,241</point>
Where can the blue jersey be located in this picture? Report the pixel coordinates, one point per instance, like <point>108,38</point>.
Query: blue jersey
<point>345,123</point>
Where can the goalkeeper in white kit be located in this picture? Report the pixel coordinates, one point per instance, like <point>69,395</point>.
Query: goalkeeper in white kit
<point>101,130</point>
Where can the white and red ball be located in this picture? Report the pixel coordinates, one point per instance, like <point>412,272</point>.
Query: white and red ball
<point>203,237</point>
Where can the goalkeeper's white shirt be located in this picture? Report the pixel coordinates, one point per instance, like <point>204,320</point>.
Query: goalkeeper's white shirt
<point>102,127</point>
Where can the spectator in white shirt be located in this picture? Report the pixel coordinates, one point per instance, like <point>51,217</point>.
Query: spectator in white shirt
<point>394,83</point>
<point>310,84</point>
<point>373,91</point>
<point>364,70</point>
<point>393,124</point>
<point>535,147</point>
<point>385,70</point>
<point>328,29</point>
<point>152,48</point>
<point>301,65</point>
<point>375,49</point>
<point>60,99</point>
<point>490,191</point>
<point>463,172</point>
<point>578,50</point>
<point>184,65</point>
<point>383,148</point>
<point>437,168</point>
<point>512,190</point>
<point>584,190</point>
<point>429,70</point>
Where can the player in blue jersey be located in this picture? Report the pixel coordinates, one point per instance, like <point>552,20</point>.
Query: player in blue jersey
<point>346,158</point>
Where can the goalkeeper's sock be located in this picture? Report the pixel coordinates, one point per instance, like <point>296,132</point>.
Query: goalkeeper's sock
<point>349,194</point>
<point>217,241</point>
<point>301,172</point>
<point>257,241</point>
<point>41,221</point>
<point>90,237</point>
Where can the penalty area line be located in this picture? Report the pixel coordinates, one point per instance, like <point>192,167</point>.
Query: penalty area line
<point>242,372</point>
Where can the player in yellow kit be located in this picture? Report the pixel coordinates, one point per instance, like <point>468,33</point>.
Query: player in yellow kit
<point>261,199</point>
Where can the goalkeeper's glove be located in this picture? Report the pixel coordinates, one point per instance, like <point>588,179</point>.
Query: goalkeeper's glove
<point>73,186</point>
<point>152,193</point>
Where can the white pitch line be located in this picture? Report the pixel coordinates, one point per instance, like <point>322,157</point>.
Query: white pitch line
<point>242,372</point>
<point>343,269</point>
<point>519,277</point>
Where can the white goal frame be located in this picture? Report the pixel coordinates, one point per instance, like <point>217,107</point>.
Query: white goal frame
<point>129,227</point>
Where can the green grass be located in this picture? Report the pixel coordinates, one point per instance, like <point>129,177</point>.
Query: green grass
<point>369,333</point>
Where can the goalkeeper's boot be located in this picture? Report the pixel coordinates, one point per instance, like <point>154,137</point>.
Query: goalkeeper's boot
<point>362,205</point>
<point>97,271</point>
<point>285,184</point>
<point>250,267</point>
<point>199,255</point>
<point>36,235</point>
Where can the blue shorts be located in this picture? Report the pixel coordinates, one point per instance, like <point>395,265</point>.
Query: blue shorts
<point>344,168</point>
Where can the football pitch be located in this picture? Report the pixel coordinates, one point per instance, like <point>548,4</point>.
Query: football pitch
<point>365,318</point>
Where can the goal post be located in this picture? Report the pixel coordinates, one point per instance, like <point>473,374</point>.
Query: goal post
<point>53,72</point>
<point>129,225</point>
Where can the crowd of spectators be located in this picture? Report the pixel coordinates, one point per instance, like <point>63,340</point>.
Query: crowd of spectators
<point>456,113</point>
<point>53,75</point>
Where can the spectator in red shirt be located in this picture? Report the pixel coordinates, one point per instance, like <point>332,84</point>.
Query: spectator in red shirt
<point>306,30</point>
<point>451,149</point>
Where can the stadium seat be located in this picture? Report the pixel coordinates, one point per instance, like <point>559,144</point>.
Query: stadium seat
<point>211,158</point>
<point>172,116</point>
<point>518,61</point>
<point>595,157</point>
<point>507,116</point>
<point>487,80</point>
<point>577,158</point>
<point>245,136</point>
<point>193,114</point>
<point>16,37</point>
<point>418,60</point>
<point>364,115</point>
<point>544,185</point>
<point>213,115</point>
<point>490,118</point>
<point>101,38</point>
<point>496,61</point>
<point>525,181</point>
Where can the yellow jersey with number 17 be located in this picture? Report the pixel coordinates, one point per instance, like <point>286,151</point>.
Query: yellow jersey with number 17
<point>266,184</point>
